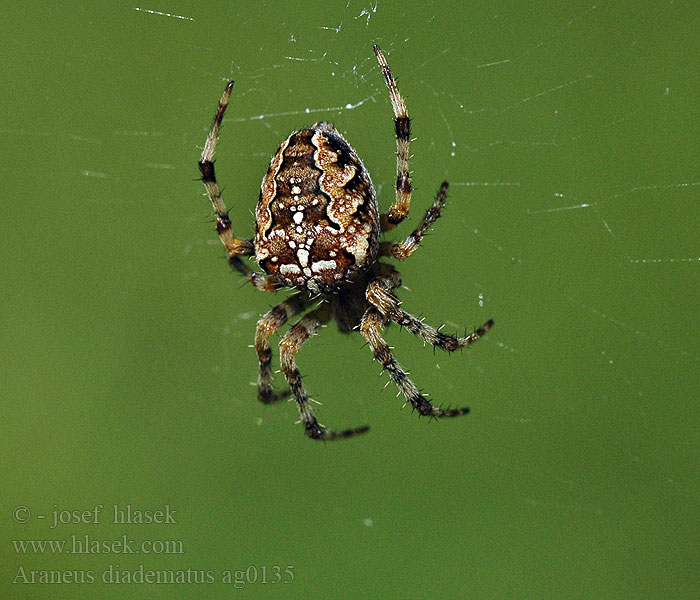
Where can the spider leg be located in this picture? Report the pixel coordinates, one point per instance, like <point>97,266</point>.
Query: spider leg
<point>399,209</point>
<point>372,322</point>
<point>290,344</point>
<point>379,296</point>
<point>411,243</point>
<point>235,247</point>
<point>270,322</point>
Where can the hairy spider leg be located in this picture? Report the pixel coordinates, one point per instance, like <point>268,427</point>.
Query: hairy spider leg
<point>410,244</point>
<point>290,344</point>
<point>379,295</point>
<point>372,322</point>
<point>270,322</point>
<point>398,211</point>
<point>235,247</point>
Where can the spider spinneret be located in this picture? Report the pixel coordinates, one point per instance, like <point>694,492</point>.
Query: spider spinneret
<point>317,230</point>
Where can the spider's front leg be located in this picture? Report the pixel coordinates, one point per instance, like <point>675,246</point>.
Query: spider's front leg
<point>372,322</point>
<point>290,344</point>
<point>379,295</point>
<point>385,306</point>
<point>235,247</point>
<point>270,322</point>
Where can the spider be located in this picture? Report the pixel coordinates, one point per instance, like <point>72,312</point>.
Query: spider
<point>317,230</point>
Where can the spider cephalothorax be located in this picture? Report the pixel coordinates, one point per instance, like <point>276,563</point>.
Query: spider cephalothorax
<point>317,228</point>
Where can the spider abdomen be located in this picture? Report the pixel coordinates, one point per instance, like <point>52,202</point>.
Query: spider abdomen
<point>317,219</point>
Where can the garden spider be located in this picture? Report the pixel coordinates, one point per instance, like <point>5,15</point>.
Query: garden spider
<point>317,228</point>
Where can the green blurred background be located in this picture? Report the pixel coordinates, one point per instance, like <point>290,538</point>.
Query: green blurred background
<point>569,133</point>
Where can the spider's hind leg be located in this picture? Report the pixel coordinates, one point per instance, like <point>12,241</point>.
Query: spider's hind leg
<point>371,325</point>
<point>290,344</point>
<point>235,247</point>
<point>411,243</point>
<point>401,206</point>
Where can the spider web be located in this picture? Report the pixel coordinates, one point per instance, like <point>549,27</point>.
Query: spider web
<point>572,149</point>
<point>569,143</point>
<point>555,130</point>
<point>465,124</point>
<point>568,133</point>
